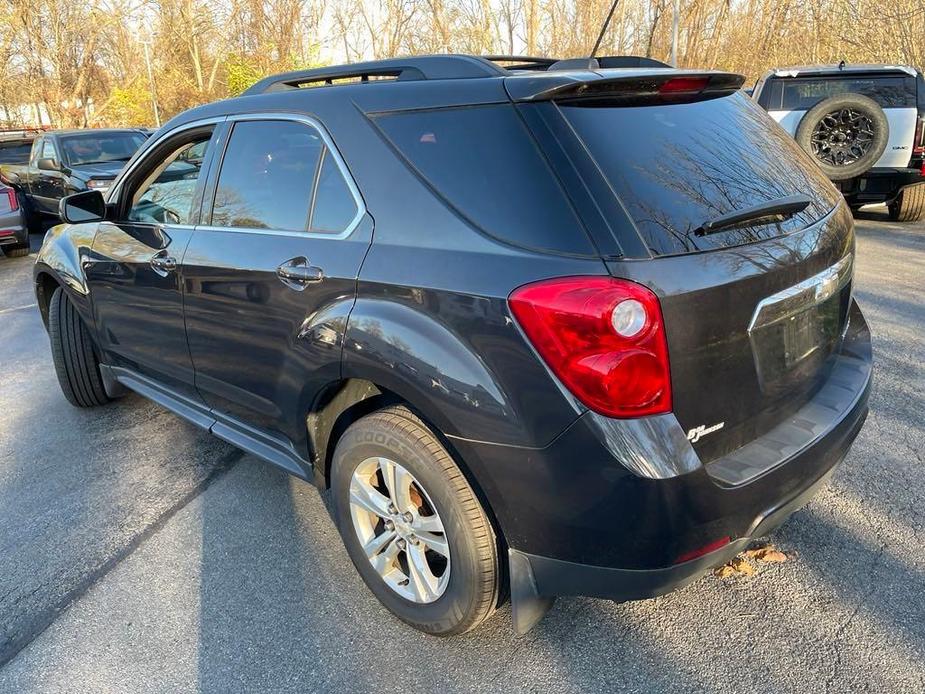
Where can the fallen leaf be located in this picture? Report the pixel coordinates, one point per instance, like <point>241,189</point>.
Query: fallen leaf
<point>737,566</point>
<point>770,555</point>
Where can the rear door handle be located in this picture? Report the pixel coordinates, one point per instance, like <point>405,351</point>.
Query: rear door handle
<point>163,264</point>
<point>296,273</point>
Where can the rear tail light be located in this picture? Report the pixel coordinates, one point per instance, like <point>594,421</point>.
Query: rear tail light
<point>604,338</point>
<point>13,200</point>
<point>918,141</point>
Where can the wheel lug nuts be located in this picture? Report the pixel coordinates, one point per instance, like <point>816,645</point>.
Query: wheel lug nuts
<point>401,544</point>
<point>389,525</point>
<point>392,508</point>
<point>408,517</point>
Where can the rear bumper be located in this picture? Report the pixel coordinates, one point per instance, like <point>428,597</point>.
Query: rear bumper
<point>13,231</point>
<point>879,185</point>
<point>579,522</point>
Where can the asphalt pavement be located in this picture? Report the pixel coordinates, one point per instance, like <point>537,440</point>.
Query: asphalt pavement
<point>139,554</point>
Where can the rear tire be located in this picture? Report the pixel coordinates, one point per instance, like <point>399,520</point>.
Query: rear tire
<point>909,205</point>
<point>440,493</point>
<point>75,359</point>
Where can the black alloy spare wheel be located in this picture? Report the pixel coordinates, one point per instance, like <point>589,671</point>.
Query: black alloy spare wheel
<point>845,134</point>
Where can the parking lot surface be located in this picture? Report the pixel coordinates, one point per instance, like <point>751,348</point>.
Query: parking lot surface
<point>138,554</point>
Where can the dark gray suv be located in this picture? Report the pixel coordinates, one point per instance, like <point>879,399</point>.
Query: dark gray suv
<point>544,329</point>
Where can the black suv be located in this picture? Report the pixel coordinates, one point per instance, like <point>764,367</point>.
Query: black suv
<point>543,330</point>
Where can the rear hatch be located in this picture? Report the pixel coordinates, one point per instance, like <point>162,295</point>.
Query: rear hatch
<point>753,310</point>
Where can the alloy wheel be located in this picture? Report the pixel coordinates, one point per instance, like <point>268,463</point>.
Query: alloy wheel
<point>842,137</point>
<point>399,529</point>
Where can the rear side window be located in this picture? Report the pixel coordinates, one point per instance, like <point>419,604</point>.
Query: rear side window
<point>801,94</point>
<point>485,164</point>
<point>15,152</point>
<point>280,175</point>
<point>677,166</point>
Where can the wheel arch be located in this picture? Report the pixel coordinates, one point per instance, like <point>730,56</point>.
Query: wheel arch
<point>345,402</point>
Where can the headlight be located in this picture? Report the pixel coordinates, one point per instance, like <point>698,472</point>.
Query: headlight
<point>95,184</point>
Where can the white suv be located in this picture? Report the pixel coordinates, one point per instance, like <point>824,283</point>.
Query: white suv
<point>864,125</point>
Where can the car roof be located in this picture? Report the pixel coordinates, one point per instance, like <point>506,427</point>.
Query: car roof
<point>101,131</point>
<point>839,69</point>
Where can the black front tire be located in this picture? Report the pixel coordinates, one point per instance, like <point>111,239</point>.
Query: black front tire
<point>473,589</point>
<point>76,362</point>
<point>909,205</point>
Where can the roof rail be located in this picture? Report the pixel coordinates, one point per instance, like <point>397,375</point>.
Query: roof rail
<point>421,67</point>
<point>521,62</point>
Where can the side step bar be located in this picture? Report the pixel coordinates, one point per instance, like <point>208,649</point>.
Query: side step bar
<point>221,425</point>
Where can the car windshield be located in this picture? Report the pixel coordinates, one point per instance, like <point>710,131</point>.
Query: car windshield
<point>96,148</point>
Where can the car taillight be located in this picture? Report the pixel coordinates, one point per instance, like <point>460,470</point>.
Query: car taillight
<point>604,338</point>
<point>13,200</point>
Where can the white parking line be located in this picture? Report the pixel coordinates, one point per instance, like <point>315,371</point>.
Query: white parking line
<point>16,308</point>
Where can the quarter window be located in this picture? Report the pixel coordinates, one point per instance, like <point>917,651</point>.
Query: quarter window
<point>280,175</point>
<point>166,195</point>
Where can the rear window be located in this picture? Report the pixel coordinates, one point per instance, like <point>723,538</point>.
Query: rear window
<point>485,164</point>
<point>15,152</point>
<point>676,166</point>
<point>802,93</point>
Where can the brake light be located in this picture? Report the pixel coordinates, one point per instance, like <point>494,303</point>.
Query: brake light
<point>918,141</point>
<point>14,201</point>
<point>683,85</point>
<point>604,338</point>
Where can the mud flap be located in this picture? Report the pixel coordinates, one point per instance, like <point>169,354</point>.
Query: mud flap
<point>527,606</point>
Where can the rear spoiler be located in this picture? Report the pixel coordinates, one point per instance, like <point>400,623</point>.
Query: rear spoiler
<point>623,85</point>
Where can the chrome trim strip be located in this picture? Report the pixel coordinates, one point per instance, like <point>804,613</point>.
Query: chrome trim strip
<point>821,286</point>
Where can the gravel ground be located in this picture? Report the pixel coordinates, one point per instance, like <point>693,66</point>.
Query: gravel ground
<point>138,554</point>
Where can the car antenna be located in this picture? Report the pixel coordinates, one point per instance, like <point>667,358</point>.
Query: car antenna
<point>600,37</point>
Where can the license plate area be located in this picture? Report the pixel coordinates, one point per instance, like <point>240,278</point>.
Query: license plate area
<point>793,332</point>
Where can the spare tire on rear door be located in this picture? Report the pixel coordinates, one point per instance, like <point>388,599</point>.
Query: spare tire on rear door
<point>845,134</point>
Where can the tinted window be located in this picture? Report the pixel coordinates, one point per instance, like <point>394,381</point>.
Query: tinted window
<point>335,206</point>
<point>485,164</point>
<point>267,176</point>
<point>801,94</point>
<point>677,166</point>
<point>166,194</point>
<point>96,148</point>
<point>15,152</point>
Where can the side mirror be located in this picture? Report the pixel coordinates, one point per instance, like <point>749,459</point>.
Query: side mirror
<point>88,206</point>
<point>48,165</point>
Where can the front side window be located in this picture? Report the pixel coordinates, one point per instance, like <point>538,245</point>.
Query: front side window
<point>280,175</point>
<point>167,193</point>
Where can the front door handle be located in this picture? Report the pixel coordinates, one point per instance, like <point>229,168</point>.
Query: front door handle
<point>296,273</point>
<point>163,264</point>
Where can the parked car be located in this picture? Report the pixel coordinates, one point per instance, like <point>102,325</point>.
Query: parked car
<point>864,125</point>
<point>14,236</point>
<point>602,337</point>
<point>63,162</point>
<point>16,145</point>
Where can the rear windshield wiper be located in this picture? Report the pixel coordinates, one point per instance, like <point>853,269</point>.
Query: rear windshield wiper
<point>779,209</point>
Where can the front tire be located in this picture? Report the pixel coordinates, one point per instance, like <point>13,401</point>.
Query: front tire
<point>412,525</point>
<point>909,205</point>
<point>76,363</point>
